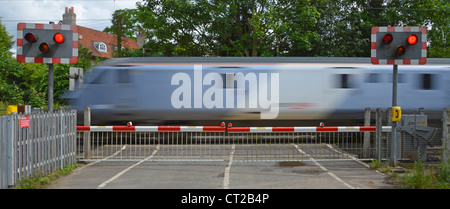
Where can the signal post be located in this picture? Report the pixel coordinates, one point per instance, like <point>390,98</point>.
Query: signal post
<point>398,46</point>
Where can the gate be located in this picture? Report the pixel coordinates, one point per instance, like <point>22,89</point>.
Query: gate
<point>237,144</point>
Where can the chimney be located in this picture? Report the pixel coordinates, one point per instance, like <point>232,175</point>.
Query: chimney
<point>69,18</point>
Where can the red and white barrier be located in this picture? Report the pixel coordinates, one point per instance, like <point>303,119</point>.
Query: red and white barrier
<point>231,129</point>
<point>306,129</point>
<point>152,128</point>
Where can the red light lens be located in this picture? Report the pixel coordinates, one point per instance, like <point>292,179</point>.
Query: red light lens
<point>401,50</point>
<point>412,39</point>
<point>44,48</point>
<point>58,38</point>
<point>30,37</point>
<point>387,39</point>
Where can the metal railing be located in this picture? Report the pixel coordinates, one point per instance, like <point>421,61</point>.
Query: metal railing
<point>216,143</point>
<point>40,142</point>
<point>307,143</point>
<point>159,143</point>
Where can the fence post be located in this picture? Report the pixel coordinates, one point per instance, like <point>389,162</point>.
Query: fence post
<point>378,133</point>
<point>87,135</point>
<point>62,136</point>
<point>366,134</point>
<point>11,141</point>
<point>421,111</point>
<point>4,152</point>
<point>445,134</point>
<point>73,145</point>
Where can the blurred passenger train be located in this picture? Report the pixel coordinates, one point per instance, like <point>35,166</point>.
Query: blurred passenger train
<point>165,90</point>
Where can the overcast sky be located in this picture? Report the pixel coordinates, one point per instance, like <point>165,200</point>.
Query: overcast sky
<point>95,14</point>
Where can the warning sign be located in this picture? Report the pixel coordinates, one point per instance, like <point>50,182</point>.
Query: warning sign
<point>25,121</point>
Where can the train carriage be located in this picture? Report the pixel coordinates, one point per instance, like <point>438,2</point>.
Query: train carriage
<point>199,91</point>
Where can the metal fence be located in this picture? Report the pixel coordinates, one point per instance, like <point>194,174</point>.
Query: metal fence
<point>40,142</point>
<point>45,142</point>
<point>446,134</point>
<point>239,144</point>
<point>418,136</point>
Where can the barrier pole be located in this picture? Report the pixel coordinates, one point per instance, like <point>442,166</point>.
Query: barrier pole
<point>366,143</point>
<point>393,158</point>
<point>87,135</point>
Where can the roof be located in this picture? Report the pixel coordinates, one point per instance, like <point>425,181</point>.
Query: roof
<point>253,60</point>
<point>87,38</point>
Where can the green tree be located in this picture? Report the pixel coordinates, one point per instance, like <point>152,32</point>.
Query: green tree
<point>276,27</point>
<point>124,25</point>
<point>294,26</point>
<point>344,26</point>
<point>229,28</point>
<point>19,82</point>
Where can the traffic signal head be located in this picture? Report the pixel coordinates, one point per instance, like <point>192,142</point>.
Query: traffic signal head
<point>387,39</point>
<point>44,48</point>
<point>398,45</point>
<point>401,50</point>
<point>412,39</point>
<point>30,37</point>
<point>47,43</point>
<point>51,43</point>
<point>58,38</point>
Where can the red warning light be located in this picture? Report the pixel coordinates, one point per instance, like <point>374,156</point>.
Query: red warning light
<point>44,48</point>
<point>387,39</point>
<point>401,50</point>
<point>30,37</point>
<point>58,38</point>
<point>412,39</point>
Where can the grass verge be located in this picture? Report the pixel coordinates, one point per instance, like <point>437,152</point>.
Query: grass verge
<point>416,176</point>
<point>39,180</point>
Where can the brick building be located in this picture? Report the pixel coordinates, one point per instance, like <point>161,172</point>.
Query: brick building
<point>101,44</point>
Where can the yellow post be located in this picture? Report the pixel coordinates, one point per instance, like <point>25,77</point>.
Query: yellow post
<point>11,108</point>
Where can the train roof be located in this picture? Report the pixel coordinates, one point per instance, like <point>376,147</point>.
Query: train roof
<point>249,60</point>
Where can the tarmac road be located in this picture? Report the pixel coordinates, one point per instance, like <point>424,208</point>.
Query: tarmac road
<point>348,174</point>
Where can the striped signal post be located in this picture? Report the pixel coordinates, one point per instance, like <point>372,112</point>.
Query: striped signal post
<point>398,46</point>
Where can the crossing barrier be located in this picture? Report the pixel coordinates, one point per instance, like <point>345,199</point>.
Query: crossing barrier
<point>216,143</point>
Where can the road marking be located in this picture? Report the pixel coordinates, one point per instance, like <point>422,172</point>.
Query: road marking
<point>350,156</point>
<point>116,153</point>
<point>127,169</point>
<point>354,158</point>
<point>226,178</point>
<point>324,169</point>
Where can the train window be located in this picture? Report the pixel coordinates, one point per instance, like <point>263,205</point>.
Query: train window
<point>373,78</point>
<point>427,81</point>
<point>401,78</point>
<point>345,81</point>
<point>100,79</point>
<point>123,76</point>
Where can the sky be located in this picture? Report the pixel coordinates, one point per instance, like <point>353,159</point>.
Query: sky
<point>95,14</point>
